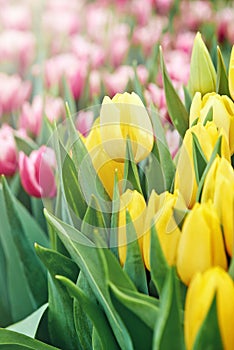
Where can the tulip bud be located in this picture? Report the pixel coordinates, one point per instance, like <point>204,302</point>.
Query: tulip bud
<point>37,172</point>
<point>201,243</point>
<point>125,117</point>
<point>8,153</point>
<point>134,202</point>
<point>223,113</point>
<point>160,211</point>
<point>207,136</point>
<point>103,164</point>
<point>201,292</point>
<point>219,187</point>
<point>202,71</point>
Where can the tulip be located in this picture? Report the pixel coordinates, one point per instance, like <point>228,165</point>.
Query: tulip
<point>202,71</point>
<point>160,209</point>
<point>223,113</point>
<point>231,74</point>
<point>207,136</point>
<point>125,117</point>
<point>31,116</point>
<point>134,203</point>
<point>103,164</point>
<point>8,154</point>
<point>201,243</point>
<point>219,187</point>
<point>37,172</point>
<point>201,292</point>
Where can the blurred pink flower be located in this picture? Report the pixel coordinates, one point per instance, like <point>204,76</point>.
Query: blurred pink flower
<point>31,116</point>
<point>54,108</point>
<point>86,51</point>
<point>17,47</point>
<point>174,60</point>
<point>173,140</point>
<point>184,42</point>
<point>17,17</point>
<point>194,14</point>
<point>61,22</point>
<point>84,122</point>
<point>8,154</point>
<point>94,82</point>
<point>117,81</point>
<point>14,92</point>
<point>37,172</point>
<point>156,95</point>
<point>163,6</point>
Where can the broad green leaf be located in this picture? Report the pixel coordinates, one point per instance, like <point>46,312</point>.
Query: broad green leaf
<point>115,217</point>
<point>222,79</point>
<point>154,176</point>
<point>152,63</point>
<point>187,98</point>
<point>95,263</point>
<point>209,116</point>
<point>134,265</point>
<point>16,341</point>
<point>29,325</point>
<point>5,308</point>
<point>60,313</point>
<point>199,159</point>
<point>231,268</point>
<point>143,306</point>
<point>176,109</point>
<point>158,265</point>
<point>25,145</point>
<point>37,212</point>
<point>137,86</point>
<point>95,313</point>
<point>168,330</point>
<point>46,132</point>
<point>68,96</point>
<point>208,336</point>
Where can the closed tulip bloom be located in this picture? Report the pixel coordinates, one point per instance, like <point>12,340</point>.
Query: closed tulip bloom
<point>231,74</point>
<point>8,153</point>
<point>223,113</point>
<point>103,164</point>
<point>219,187</point>
<point>201,292</point>
<point>201,243</point>
<point>134,202</point>
<point>37,172</point>
<point>202,71</point>
<point>207,136</point>
<point>160,210</point>
<point>124,117</point>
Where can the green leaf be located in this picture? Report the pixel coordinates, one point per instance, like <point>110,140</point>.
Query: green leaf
<point>98,265</point>
<point>152,63</point>
<point>231,268</point>
<point>143,306</point>
<point>29,325</point>
<point>168,330</point>
<point>176,109</point>
<point>209,116</point>
<point>137,86</point>
<point>199,159</point>
<point>68,96</point>
<point>222,79</point>
<point>46,132</point>
<point>115,218</point>
<point>16,341</point>
<point>25,145</point>
<point>158,265</point>
<point>60,313</point>
<point>208,336</point>
<point>187,98</point>
<point>134,265</point>
<point>95,313</point>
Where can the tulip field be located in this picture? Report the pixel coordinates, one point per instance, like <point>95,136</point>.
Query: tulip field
<point>117,179</point>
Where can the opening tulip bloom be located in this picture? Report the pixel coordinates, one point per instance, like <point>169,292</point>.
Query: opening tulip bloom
<point>200,294</point>
<point>201,243</point>
<point>124,117</point>
<point>37,172</point>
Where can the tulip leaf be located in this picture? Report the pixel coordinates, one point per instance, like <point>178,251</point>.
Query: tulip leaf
<point>168,332</point>
<point>187,98</point>
<point>199,159</point>
<point>72,189</point>
<point>158,265</point>
<point>32,267</point>
<point>208,336</point>
<point>209,116</point>
<point>222,79</point>
<point>216,151</point>
<point>231,268</point>
<point>154,176</point>
<point>95,313</point>
<point>143,306</point>
<point>68,96</point>
<point>137,84</point>
<point>176,109</point>
<point>25,145</point>
<point>46,132</point>
<point>16,341</point>
<point>114,218</point>
<point>60,313</point>
<point>99,265</point>
<point>134,265</point>
<point>152,63</point>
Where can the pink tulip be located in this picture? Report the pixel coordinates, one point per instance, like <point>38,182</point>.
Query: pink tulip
<point>163,6</point>
<point>8,153</point>
<point>31,117</point>
<point>14,92</point>
<point>37,172</point>
<point>84,122</point>
<point>117,81</point>
<point>225,19</point>
<point>173,140</point>
<point>60,22</point>
<point>17,17</point>
<point>84,50</point>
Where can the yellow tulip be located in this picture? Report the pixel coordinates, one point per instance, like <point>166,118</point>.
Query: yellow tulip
<point>219,187</point>
<point>223,113</point>
<point>202,71</point>
<point>160,210</point>
<point>207,136</point>
<point>134,203</point>
<point>200,294</point>
<point>103,164</point>
<point>231,74</point>
<point>201,243</point>
<point>124,117</point>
